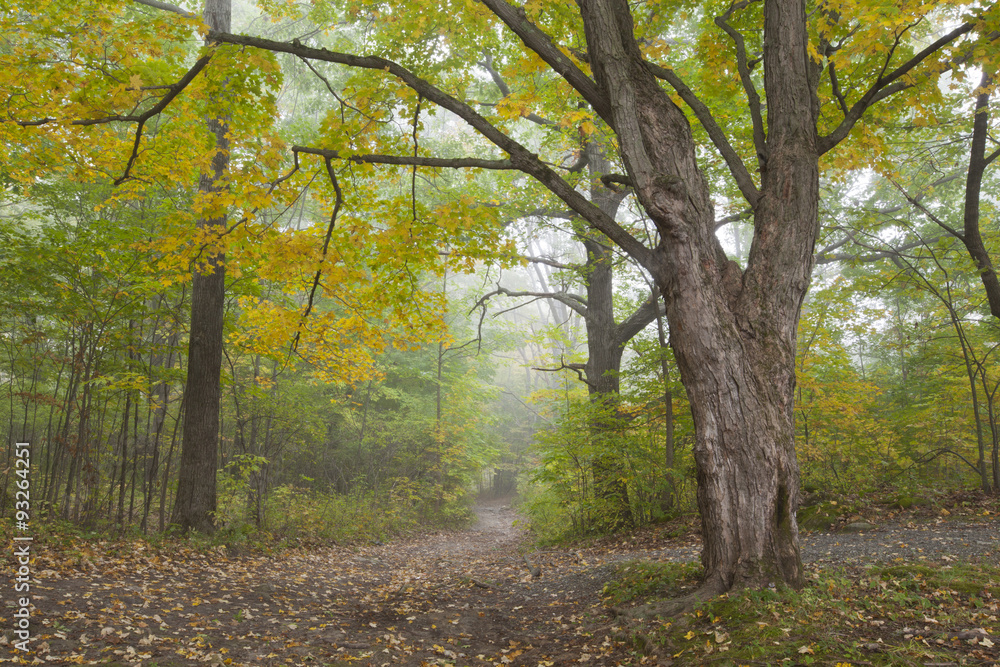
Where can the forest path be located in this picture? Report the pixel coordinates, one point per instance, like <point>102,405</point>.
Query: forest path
<point>448,598</point>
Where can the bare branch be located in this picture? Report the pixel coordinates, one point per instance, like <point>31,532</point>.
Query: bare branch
<point>573,301</point>
<point>550,262</point>
<point>563,366</point>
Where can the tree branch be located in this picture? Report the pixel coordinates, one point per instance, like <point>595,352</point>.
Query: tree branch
<point>156,4</point>
<point>640,318</point>
<point>611,181</point>
<point>835,86</point>
<point>753,98</point>
<point>736,167</point>
<point>826,256</point>
<point>409,160</point>
<point>886,86</point>
<point>326,244</point>
<point>521,158</point>
<point>541,44</point>
<point>140,119</point>
<point>487,64</point>
<point>563,366</point>
<point>574,301</point>
<point>550,262</point>
<point>164,102</point>
<point>992,156</point>
<point>930,216</point>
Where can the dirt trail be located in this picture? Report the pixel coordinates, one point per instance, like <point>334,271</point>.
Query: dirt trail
<point>451,598</point>
<point>464,598</point>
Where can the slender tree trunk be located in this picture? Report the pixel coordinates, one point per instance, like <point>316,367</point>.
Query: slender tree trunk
<point>124,459</point>
<point>196,488</point>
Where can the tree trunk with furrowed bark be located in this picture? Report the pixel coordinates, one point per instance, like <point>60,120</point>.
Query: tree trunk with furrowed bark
<point>196,485</point>
<point>732,331</point>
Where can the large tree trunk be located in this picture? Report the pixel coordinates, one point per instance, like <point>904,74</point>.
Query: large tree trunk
<point>733,333</point>
<point>196,485</point>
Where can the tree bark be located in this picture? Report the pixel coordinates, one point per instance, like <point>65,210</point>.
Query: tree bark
<point>732,332</point>
<point>196,486</point>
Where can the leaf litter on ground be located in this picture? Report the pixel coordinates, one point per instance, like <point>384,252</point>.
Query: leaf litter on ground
<point>473,598</point>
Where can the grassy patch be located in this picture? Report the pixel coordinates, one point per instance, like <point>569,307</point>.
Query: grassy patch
<point>897,614</point>
<point>651,581</point>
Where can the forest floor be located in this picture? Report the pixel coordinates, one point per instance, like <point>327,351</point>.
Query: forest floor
<point>482,596</point>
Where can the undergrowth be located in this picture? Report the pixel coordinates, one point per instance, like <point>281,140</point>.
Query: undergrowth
<point>294,518</point>
<point>887,614</point>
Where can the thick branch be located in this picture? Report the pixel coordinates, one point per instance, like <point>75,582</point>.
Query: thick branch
<point>521,158</point>
<point>735,217</point>
<point>541,44</point>
<point>612,181</point>
<point>992,156</point>
<point>640,318</point>
<point>972,238</point>
<point>550,262</point>
<point>736,167</point>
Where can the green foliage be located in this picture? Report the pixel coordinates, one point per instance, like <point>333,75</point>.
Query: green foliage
<point>565,500</point>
